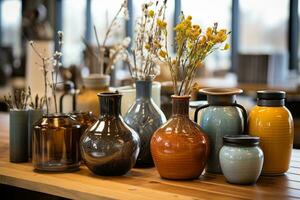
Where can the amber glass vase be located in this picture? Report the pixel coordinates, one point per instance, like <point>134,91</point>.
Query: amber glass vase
<point>180,148</point>
<point>56,143</point>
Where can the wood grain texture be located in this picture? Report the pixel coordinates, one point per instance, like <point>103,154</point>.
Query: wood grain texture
<point>142,183</point>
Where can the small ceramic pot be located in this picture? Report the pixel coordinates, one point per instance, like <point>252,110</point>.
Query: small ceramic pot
<point>110,147</point>
<point>241,159</point>
<point>221,116</point>
<point>180,147</point>
<point>33,116</point>
<point>145,117</point>
<point>18,136</point>
<point>273,123</point>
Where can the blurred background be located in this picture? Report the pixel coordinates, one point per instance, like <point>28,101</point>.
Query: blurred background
<point>264,43</point>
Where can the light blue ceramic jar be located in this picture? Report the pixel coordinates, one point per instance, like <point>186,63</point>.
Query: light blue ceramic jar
<point>241,159</point>
<point>221,116</point>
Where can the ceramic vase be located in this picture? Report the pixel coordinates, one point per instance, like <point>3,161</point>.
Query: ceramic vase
<point>110,147</point>
<point>56,143</point>
<point>180,147</point>
<point>273,123</point>
<point>144,117</point>
<point>18,136</point>
<point>221,116</point>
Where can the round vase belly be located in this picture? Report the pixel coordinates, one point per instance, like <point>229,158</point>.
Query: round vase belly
<point>180,148</point>
<point>109,147</point>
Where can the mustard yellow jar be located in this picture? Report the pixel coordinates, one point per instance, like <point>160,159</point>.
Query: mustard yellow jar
<point>273,123</point>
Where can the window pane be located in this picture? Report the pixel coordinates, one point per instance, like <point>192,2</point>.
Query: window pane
<point>74,30</point>
<point>206,13</point>
<point>11,24</point>
<point>102,14</point>
<point>137,11</point>
<point>263,26</point>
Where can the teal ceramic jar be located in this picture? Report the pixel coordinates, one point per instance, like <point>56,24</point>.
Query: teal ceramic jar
<point>241,159</point>
<point>221,116</point>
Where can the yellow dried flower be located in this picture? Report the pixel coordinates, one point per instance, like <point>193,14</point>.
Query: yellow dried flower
<point>202,40</point>
<point>147,46</point>
<point>157,44</point>
<point>161,24</point>
<point>151,13</point>
<point>209,33</point>
<point>226,47</point>
<point>162,53</point>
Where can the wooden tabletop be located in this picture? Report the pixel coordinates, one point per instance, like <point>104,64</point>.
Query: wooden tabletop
<point>141,183</point>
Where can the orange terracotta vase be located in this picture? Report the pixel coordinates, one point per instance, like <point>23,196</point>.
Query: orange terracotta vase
<point>180,148</point>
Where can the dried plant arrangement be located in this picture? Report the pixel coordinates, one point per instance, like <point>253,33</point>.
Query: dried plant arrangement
<point>50,65</point>
<point>192,47</point>
<point>150,28</point>
<point>21,99</point>
<point>117,51</point>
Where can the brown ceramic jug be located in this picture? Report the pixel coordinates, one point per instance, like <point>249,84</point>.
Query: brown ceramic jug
<point>180,148</point>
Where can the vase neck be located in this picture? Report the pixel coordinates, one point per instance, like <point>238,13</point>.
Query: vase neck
<point>143,89</point>
<point>221,99</point>
<point>110,103</point>
<point>180,105</point>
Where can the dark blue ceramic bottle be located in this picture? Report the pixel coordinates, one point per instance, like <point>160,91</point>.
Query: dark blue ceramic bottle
<point>145,117</point>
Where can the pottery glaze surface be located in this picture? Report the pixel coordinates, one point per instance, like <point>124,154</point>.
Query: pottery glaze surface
<point>274,125</point>
<point>180,148</point>
<point>221,117</point>
<point>145,117</point>
<point>109,146</point>
<point>241,164</point>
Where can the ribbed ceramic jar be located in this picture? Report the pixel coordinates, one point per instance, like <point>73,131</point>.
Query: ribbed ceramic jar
<point>273,123</point>
<point>241,159</point>
<point>110,147</point>
<point>145,117</point>
<point>221,116</point>
<point>56,143</point>
<point>180,148</point>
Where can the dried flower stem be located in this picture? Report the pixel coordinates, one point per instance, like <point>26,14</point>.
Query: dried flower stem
<point>101,49</point>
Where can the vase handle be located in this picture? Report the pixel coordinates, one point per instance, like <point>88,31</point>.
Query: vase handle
<point>197,111</point>
<point>245,117</point>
